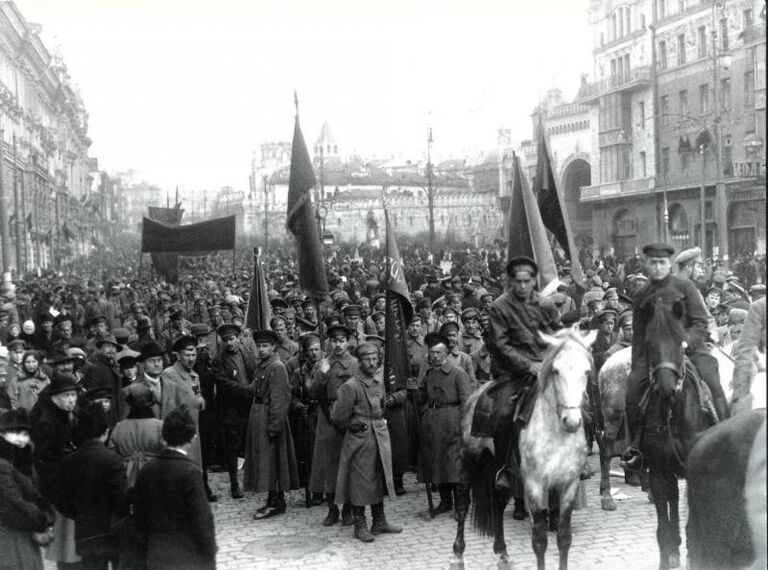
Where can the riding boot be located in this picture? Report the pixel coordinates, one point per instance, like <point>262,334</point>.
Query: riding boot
<point>317,499</point>
<point>275,506</point>
<point>519,513</point>
<point>554,519</point>
<point>361,525</point>
<point>398,480</point>
<point>380,524</point>
<point>234,486</point>
<point>446,499</point>
<point>346,515</point>
<point>632,458</point>
<point>333,512</point>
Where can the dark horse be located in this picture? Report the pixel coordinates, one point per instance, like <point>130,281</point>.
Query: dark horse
<point>552,448</point>
<point>718,532</point>
<point>673,417</point>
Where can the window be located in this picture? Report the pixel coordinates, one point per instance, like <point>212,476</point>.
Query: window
<point>683,96</point>
<point>621,22</point>
<point>626,66</point>
<point>702,42</point>
<point>685,158</point>
<point>727,155</point>
<point>628,23</point>
<point>725,90</point>
<point>662,55</point>
<point>724,34</point>
<point>643,166</point>
<point>747,18</point>
<point>704,99</point>
<point>665,109</point>
<point>642,114</point>
<point>749,88</point>
<point>665,161</point>
<point>681,49</point>
<point>661,8</point>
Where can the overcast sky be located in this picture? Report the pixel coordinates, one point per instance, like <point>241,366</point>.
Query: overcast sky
<point>183,91</point>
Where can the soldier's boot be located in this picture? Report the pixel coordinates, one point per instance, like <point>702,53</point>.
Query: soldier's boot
<point>212,497</point>
<point>361,525</point>
<point>347,519</point>
<point>333,512</point>
<point>446,499</point>
<point>380,524</point>
<point>398,480</point>
<point>234,486</point>
<point>275,506</point>
<point>632,458</point>
<point>317,499</point>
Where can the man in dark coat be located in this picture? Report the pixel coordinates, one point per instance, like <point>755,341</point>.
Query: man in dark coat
<point>233,370</point>
<point>104,372</point>
<point>665,287</point>
<point>171,507</point>
<point>606,337</point>
<point>270,461</point>
<point>93,491</point>
<point>443,388</point>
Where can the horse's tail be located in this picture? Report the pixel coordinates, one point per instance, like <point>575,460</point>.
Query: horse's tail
<point>484,511</point>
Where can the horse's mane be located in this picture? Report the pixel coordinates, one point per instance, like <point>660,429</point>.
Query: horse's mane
<point>568,336</point>
<point>662,327</point>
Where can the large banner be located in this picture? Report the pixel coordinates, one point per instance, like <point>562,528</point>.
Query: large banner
<point>204,236</point>
<point>167,264</point>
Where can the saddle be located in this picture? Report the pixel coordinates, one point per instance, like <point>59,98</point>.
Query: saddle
<point>502,401</point>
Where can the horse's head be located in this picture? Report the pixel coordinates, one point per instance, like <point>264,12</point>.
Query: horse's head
<point>567,366</point>
<point>665,347</point>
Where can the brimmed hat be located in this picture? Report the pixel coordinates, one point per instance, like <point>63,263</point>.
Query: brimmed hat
<point>433,338</point>
<point>60,356</point>
<point>658,249</point>
<point>522,261</point>
<point>366,348</point>
<point>109,339</point>
<point>333,329</point>
<point>625,318</point>
<point>602,315</point>
<point>99,393</point>
<point>688,255</point>
<point>199,329</point>
<point>447,327</point>
<point>14,420</point>
<point>184,342</point>
<point>470,313</point>
<point>61,382</point>
<point>127,358</point>
<point>17,342</point>
<point>351,310</point>
<point>228,329</point>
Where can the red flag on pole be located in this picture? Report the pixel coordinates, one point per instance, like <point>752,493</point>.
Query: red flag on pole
<point>398,313</point>
<point>527,235</point>
<point>258,312</point>
<point>552,208</point>
<point>301,220</point>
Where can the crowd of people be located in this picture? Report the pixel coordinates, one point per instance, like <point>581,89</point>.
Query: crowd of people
<point>119,392</point>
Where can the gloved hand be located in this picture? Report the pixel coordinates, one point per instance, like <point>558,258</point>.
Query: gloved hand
<point>412,384</point>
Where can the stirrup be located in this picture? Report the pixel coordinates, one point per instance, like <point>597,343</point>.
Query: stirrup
<point>632,458</point>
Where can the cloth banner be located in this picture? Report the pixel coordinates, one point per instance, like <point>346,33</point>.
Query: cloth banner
<point>398,312</point>
<point>210,235</point>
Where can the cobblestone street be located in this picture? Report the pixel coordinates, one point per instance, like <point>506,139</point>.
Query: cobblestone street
<point>622,539</point>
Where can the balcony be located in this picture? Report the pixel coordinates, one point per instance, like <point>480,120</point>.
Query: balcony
<point>753,34</point>
<point>637,78</point>
<point>620,189</point>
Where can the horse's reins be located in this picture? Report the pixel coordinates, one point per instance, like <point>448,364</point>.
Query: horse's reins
<point>667,365</point>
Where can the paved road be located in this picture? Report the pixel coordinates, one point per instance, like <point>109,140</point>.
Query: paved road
<point>623,539</point>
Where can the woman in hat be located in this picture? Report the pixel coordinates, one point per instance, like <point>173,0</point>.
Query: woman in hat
<point>23,510</point>
<point>30,381</point>
<point>53,420</point>
<point>128,362</point>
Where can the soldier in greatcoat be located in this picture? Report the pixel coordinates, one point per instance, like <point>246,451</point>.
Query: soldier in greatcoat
<point>270,460</point>
<point>443,388</point>
<point>233,370</point>
<point>365,465</point>
<point>332,372</point>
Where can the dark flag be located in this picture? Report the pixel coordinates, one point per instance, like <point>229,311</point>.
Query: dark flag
<point>527,235</point>
<point>552,208</point>
<point>398,313</point>
<point>301,220</point>
<point>166,264</point>
<point>258,312</point>
<point>210,235</point>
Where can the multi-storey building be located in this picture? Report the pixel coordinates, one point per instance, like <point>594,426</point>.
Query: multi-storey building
<point>678,114</point>
<point>44,149</point>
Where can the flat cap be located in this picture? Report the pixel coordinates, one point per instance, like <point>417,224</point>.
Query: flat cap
<point>434,338</point>
<point>522,263</point>
<point>658,249</point>
<point>265,336</point>
<point>688,255</point>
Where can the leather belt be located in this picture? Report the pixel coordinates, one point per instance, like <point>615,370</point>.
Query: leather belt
<point>438,405</point>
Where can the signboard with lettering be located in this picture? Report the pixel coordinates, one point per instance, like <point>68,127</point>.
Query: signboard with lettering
<point>748,169</point>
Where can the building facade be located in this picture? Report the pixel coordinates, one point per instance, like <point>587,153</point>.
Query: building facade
<point>679,109</point>
<point>47,174</point>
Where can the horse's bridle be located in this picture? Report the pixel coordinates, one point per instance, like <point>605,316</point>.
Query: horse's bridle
<point>560,407</point>
<point>667,365</point>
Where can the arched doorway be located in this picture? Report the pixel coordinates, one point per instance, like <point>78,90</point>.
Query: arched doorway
<point>679,229</point>
<point>577,173</point>
<point>624,234</point>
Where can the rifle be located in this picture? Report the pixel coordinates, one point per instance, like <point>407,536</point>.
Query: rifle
<point>427,478</point>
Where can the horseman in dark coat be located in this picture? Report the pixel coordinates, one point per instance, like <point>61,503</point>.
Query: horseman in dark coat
<point>513,339</point>
<point>270,460</point>
<point>233,370</point>
<point>332,372</point>
<point>666,288</point>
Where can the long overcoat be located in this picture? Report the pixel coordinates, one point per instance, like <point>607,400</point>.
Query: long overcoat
<point>172,511</point>
<point>22,512</point>
<point>324,388</point>
<point>233,372</point>
<point>269,460</point>
<point>189,384</point>
<point>365,464</point>
<point>444,391</point>
<point>104,374</point>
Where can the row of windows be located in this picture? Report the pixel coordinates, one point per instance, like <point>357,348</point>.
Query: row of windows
<point>725,99</point>
<point>569,128</point>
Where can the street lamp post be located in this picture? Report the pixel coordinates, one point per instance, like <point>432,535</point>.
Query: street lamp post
<point>430,193</point>
<point>266,215</point>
